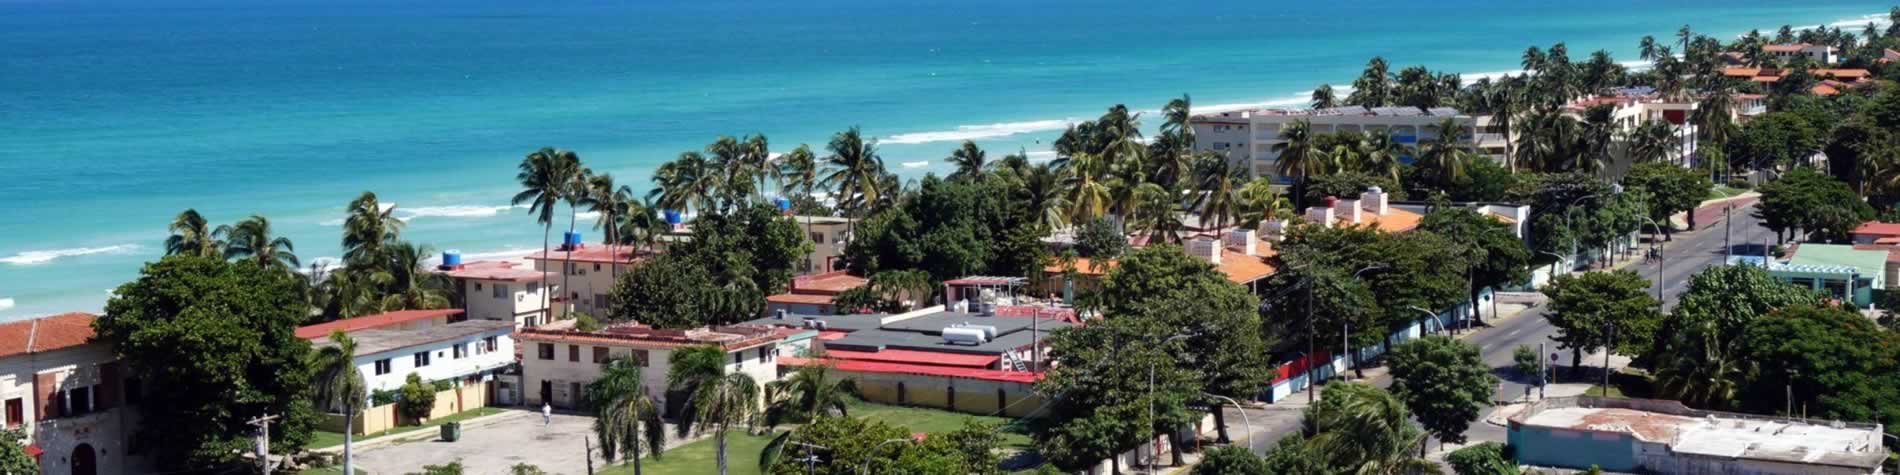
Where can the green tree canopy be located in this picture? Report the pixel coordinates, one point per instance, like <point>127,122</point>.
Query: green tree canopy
<point>1694,351</point>
<point>1805,200</point>
<point>1672,189</point>
<point>220,337</point>
<point>1589,309</point>
<point>1840,365</point>
<point>1487,458</point>
<point>1444,382</point>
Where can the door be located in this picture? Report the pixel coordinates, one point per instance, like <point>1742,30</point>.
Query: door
<point>84,461</point>
<point>547,392</point>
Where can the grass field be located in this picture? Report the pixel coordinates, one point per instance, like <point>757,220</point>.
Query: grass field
<point>323,439</point>
<point>742,450</point>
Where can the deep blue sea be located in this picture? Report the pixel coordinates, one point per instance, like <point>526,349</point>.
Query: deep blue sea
<point>116,115</point>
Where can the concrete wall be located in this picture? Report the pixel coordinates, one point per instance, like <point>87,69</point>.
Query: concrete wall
<point>518,304</point>
<point>588,283</point>
<point>106,433</point>
<point>561,373</point>
<point>442,362</point>
<point>385,417</point>
<point>972,396</point>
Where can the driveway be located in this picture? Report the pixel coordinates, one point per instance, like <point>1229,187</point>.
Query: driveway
<point>516,437</point>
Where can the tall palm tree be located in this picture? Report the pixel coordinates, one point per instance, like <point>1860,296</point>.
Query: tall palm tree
<point>406,285</point>
<point>1646,50</point>
<point>1299,156</point>
<point>1086,186</point>
<point>798,171</point>
<point>340,385</point>
<point>1703,377</point>
<point>251,239</point>
<point>727,156</point>
<point>970,161</point>
<point>1041,191</point>
<point>1713,116</point>
<point>626,417</point>
<point>715,400</point>
<point>192,236</point>
<point>1178,124</point>
<point>576,195</point>
<point>545,176</point>
<point>1259,201</point>
<point>353,292</point>
<point>810,392</point>
<point>369,227</point>
<point>853,171</point>
<point>1368,431</point>
<point>1324,97</point>
<point>756,157</point>
<point>613,203</point>
<point>1379,153</point>
<point>688,182</point>
<point>1446,154</point>
<point>1651,141</point>
<point>641,227</point>
<point>1217,196</point>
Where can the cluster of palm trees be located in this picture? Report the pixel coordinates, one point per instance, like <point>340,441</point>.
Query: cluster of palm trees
<point>1377,86</point>
<point>551,176</point>
<point>381,272</point>
<point>249,239</point>
<point>734,172</point>
<point>628,417</point>
<point>1303,154</point>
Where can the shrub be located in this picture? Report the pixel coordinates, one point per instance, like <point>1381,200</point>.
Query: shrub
<point>1525,360</point>
<point>1489,458</point>
<point>1230,460</point>
<point>442,384</point>
<point>1739,183</point>
<point>1100,238</point>
<point>585,322</point>
<point>453,468</point>
<point>526,469</point>
<point>382,397</point>
<point>418,399</point>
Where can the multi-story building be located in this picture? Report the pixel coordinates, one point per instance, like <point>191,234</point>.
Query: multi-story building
<point>1665,437</point>
<point>503,290</point>
<point>1630,108</point>
<point>71,396</point>
<point>1819,54</point>
<point>828,237</point>
<point>1249,136</point>
<point>585,274</point>
<point>392,345</point>
<point>558,361</point>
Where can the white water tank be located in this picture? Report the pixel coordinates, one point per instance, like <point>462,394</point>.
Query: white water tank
<point>964,336</point>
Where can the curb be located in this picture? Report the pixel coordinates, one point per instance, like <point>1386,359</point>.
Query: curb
<point>419,434</point>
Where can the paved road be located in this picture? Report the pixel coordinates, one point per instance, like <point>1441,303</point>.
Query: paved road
<point>1688,253</point>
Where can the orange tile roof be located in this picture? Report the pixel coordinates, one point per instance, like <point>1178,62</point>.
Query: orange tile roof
<point>791,298</point>
<point>1786,48</point>
<point>827,283</point>
<point>1239,268</point>
<point>1824,90</point>
<point>495,270</point>
<point>322,330</point>
<point>45,334</point>
<point>1394,221</point>
<point>600,254</point>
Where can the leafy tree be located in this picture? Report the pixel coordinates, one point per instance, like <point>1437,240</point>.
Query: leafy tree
<point>752,243</point>
<point>1099,239</point>
<point>1805,200</point>
<point>221,336</point>
<point>975,444</point>
<point>13,457</point>
<point>715,400</point>
<point>853,440</point>
<point>1444,382</point>
<point>418,398</point>
<point>664,291</point>
<point>626,418</point>
<point>1839,364</point>
<point>1486,458</point>
<point>1337,303</point>
<point>1775,139</point>
<point>1350,184</point>
<point>1591,308</point>
<point>1672,189</point>
<point>1294,455</point>
<point>1526,360</point>
<point>586,322</point>
<point>949,229</point>
<point>1230,461</point>
<point>1101,399</point>
<point>1695,348</point>
<point>1497,256</point>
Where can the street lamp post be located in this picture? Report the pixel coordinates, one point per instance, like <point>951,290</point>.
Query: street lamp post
<point>1442,327</point>
<point>1243,415</point>
<point>811,461</point>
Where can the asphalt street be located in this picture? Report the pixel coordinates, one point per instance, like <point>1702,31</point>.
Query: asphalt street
<point>1687,254</point>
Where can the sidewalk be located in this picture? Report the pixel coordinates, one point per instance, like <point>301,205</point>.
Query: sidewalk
<point>1380,374</point>
<point>1711,212</point>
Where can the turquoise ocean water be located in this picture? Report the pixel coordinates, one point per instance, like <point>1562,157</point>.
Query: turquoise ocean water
<point>116,115</point>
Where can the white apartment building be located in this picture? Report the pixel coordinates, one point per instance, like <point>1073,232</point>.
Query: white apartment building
<point>1819,54</point>
<point>1250,135</point>
<point>70,395</point>
<point>828,235</point>
<point>1631,108</point>
<point>588,273</point>
<point>400,343</point>
<point>503,290</point>
<point>558,363</point>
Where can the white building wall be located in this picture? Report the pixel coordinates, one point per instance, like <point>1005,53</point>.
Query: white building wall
<point>108,433</point>
<point>1263,132</point>
<point>562,372</point>
<point>442,361</point>
<point>521,302</point>
<point>589,283</point>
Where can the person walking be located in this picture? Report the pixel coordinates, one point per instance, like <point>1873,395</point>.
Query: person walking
<point>547,414</point>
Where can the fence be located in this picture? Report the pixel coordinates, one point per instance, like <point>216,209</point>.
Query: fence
<point>1292,376</point>
<point>385,417</point>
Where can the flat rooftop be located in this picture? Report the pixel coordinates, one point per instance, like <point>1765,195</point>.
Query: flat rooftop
<point>378,340</point>
<point>1714,434</point>
<point>924,333</point>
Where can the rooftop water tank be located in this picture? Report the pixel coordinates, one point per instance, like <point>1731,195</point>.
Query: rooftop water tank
<point>571,239</point>
<point>672,216</point>
<point>989,331</point>
<point>964,336</point>
<point>784,204</point>
<point>451,259</point>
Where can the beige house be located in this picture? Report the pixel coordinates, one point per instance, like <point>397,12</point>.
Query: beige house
<point>558,362</point>
<point>586,274</point>
<point>70,395</point>
<point>503,290</point>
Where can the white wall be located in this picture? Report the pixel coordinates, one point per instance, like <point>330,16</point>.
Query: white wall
<point>518,304</point>
<point>562,372</point>
<point>108,432</point>
<point>442,363</point>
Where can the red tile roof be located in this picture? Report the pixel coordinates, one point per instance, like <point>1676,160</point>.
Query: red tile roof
<point>495,270</point>
<point>926,370</point>
<point>45,334</point>
<point>602,254</point>
<point>936,358</point>
<point>827,283</point>
<point>809,299</point>
<point>322,330</point>
<point>729,337</point>
<point>1877,228</point>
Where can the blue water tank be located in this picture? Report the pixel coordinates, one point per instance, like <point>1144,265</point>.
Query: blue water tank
<point>784,203</point>
<point>672,216</point>
<point>571,238</point>
<point>451,258</point>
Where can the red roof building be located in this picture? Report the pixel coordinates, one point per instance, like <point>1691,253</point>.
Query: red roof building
<point>401,319</point>
<point>813,294</point>
<point>40,335</point>
<point>1872,231</point>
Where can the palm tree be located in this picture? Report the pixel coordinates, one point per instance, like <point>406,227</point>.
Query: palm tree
<point>1713,116</point>
<point>576,195</point>
<point>1703,377</point>
<point>1041,192</point>
<point>641,227</point>
<point>251,239</point>
<point>1299,156</point>
<point>545,176</point>
<point>1368,431</point>
<point>351,293</point>
<point>626,417</point>
<point>853,171</point>
<point>755,155</point>
<point>727,156</point>
<point>613,203</point>
<point>1217,195</point>
<point>1650,141</point>
<point>1085,186</point>
<point>715,399</point>
<point>406,285</point>
<point>1379,152</point>
<point>798,171</point>
<point>1324,97</point>
<point>192,236</point>
<point>687,182</point>
<point>809,393</point>
<point>970,162</point>
<point>1647,48</point>
<point>1259,201</point>
<point>340,385</point>
<point>369,227</point>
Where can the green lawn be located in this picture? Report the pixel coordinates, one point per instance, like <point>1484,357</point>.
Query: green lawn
<point>742,450</point>
<point>322,439</point>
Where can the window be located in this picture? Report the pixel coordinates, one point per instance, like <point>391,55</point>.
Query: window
<point>534,287</point>
<point>600,301</point>
<point>600,354</point>
<point>762,353</point>
<point>738,359</point>
<point>573,352</point>
<point>817,238</point>
<point>16,412</point>
<point>461,351</point>
<point>489,343</point>
<point>596,267</point>
<point>422,359</point>
<point>641,357</point>
<point>478,286</point>
<point>382,366</point>
<point>501,291</point>
<point>544,351</point>
<point>78,401</point>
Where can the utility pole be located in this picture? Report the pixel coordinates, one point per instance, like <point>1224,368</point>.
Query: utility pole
<point>1727,232</point>
<point>1543,371</point>
<point>262,437</point>
<point>588,453</point>
<point>1312,350</point>
<point>1345,343</point>
<point>1606,359</point>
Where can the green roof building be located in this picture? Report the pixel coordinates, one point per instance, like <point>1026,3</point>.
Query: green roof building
<point>1841,271</point>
